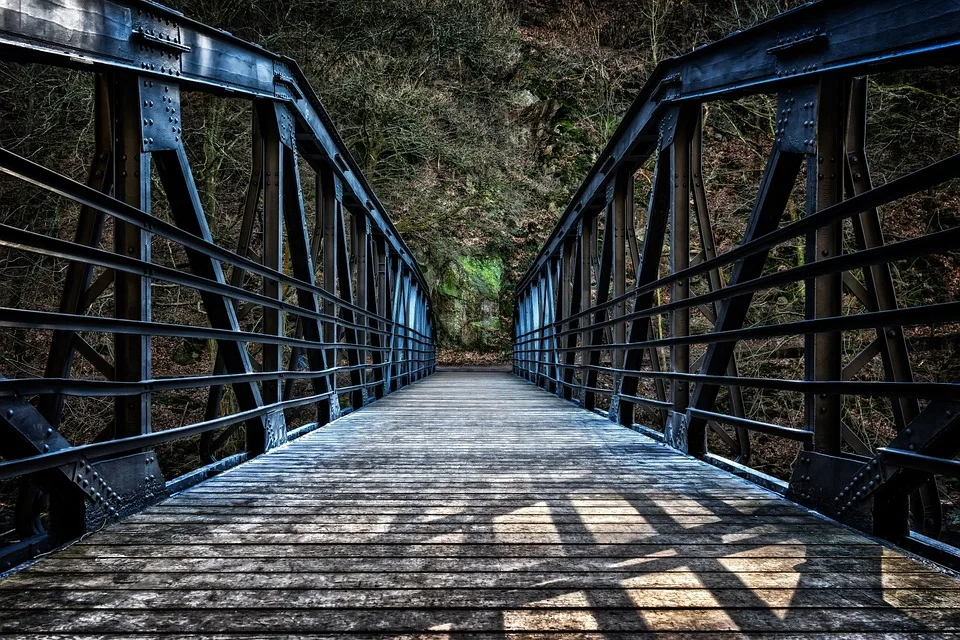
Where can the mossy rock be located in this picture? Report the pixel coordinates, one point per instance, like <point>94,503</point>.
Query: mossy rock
<point>467,302</point>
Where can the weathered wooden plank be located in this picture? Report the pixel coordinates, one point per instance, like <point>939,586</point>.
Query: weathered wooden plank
<point>838,567</point>
<point>308,524</point>
<point>449,535</point>
<point>625,619</point>
<point>480,598</point>
<point>205,579</point>
<point>462,549</point>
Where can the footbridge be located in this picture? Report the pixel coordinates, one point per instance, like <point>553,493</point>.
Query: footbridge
<point>227,427</point>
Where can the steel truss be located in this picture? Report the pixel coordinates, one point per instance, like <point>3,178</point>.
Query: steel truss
<point>584,334</point>
<point>342,305</point>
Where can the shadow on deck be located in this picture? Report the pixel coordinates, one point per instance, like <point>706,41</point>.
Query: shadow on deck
<point>475,502</point>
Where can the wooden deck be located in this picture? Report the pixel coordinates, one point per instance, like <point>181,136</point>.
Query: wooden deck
<point>474,502</point>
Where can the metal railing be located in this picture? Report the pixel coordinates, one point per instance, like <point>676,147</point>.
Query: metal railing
<point>333,300</point>
<point>598,305</point>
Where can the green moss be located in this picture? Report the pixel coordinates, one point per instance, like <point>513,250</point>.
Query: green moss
<point>484,273</point>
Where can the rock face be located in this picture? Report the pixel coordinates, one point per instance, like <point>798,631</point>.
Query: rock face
<point>467,303</point>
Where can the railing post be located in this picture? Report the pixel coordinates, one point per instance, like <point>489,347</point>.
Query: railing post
<point>272,249</point>
<point>361,231</point>
<point>621,209</point>
<point>374,306</point>
<point>386,293</point>
<point>588,248</point>
<point>680,255</point>
<point>526,315</point>
<point>550,334</point>
<point>132,182</point>
<point>396,354</point>
<point>570,277</point>
<point>329,194</point>
<point>825,188</point>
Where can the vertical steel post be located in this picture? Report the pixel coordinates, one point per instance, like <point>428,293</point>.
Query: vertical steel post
<point>345,289</point>
<point>361,236</point>
<point>588,247</point>
<point>680,258</point>
<point>374,306</point>
<point>825,171</point>
<point>272,253</point>
<point>571,277</point>
<point>549,314</point>
<point>329,194</point>
<point>131,291</point>
<point>621,209</point>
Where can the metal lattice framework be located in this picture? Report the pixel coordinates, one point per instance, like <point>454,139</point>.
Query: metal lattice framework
<point>582,332</point>
<point>340,303</point>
